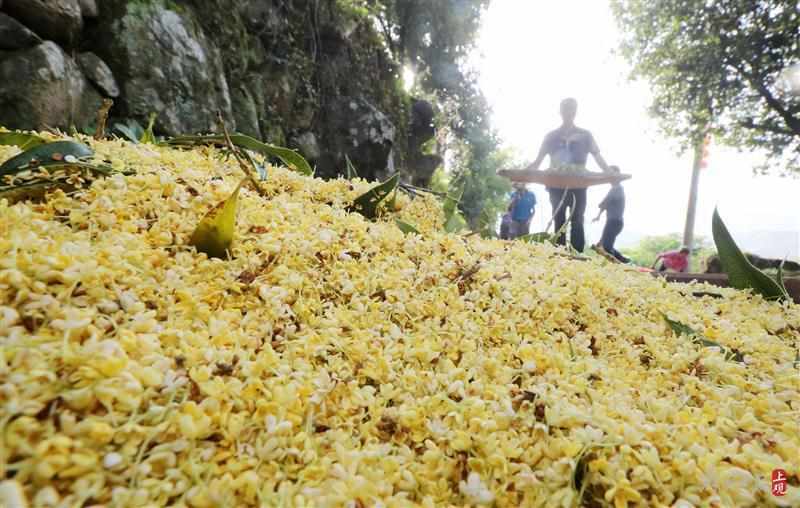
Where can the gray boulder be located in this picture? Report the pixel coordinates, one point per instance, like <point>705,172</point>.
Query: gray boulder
<point>364,123</point>
<point>421,130</point>
<point>422,167</point>
<point>43,87</point>
<point>89,8</point>
<point>57,20</point>
<point>99,74</point>
<point>245,112</point>
<point>371,135</point>
<point>14,35</point>
<point>308,145</point>
<point>356,128</point>
<point>280,90</point>
<point>263,17</point>
<point>166,65</point>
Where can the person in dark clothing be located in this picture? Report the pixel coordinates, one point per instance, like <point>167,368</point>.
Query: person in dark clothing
<point>614,207</point>
<point>575,201</point>
<point>569,146</point>
<point>505,226</point>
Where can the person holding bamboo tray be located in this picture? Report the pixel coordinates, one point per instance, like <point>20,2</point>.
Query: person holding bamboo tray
<point>569,147</point>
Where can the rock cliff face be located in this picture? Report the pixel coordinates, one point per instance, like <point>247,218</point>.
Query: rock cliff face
<point>309,74</point>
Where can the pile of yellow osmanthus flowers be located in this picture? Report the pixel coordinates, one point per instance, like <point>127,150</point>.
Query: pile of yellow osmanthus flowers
<point>336,361</point>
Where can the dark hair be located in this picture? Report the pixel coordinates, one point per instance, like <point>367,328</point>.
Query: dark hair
<point>686,250</point>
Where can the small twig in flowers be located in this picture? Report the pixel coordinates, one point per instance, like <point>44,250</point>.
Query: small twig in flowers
<point>468,274</point>
<point>412,188</point>
<point>249,169</point>
<point>102,118</point>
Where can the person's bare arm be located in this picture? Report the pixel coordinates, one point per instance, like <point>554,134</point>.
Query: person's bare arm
<point>657,259</point>
<point>595,151</point>
<point>602,206</point>
<point>601,162</point>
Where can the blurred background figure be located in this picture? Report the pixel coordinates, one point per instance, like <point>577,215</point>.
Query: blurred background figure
<point>505,226</point>
<point>521,210</point>
<point>673,261</point>
<point>569,146</point>
<point>614,207</point>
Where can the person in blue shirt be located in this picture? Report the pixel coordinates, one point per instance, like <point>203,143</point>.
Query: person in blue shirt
<point>521,208</point>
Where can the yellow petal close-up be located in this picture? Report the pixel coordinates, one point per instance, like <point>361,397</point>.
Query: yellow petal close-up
<point>282,350</point>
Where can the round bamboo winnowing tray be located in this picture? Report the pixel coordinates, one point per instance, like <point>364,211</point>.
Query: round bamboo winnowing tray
<point>563,179</point>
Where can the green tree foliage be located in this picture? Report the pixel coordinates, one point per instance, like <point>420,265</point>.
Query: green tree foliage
<point>435,38</point>
<point>649,247</point>
<point>485,194</point>
<point>721,64</point>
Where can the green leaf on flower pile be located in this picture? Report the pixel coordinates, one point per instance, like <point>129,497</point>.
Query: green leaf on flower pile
<point>214,234</point>
<point>405,227</point>
<point>741,273</point>
<point>21,139</point>
<point>54,153</point>
<point>541,237</point>
<point>36,187</point>
<point>681,329</point>
<point>132,130</point>
<point>290,158</point>
<point>452,222</point>
<point>351,170</point>
<point>367,203</point>
<point>46,166</point>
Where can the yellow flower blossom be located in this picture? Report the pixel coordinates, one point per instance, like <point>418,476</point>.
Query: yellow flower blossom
<point>335,361</point>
